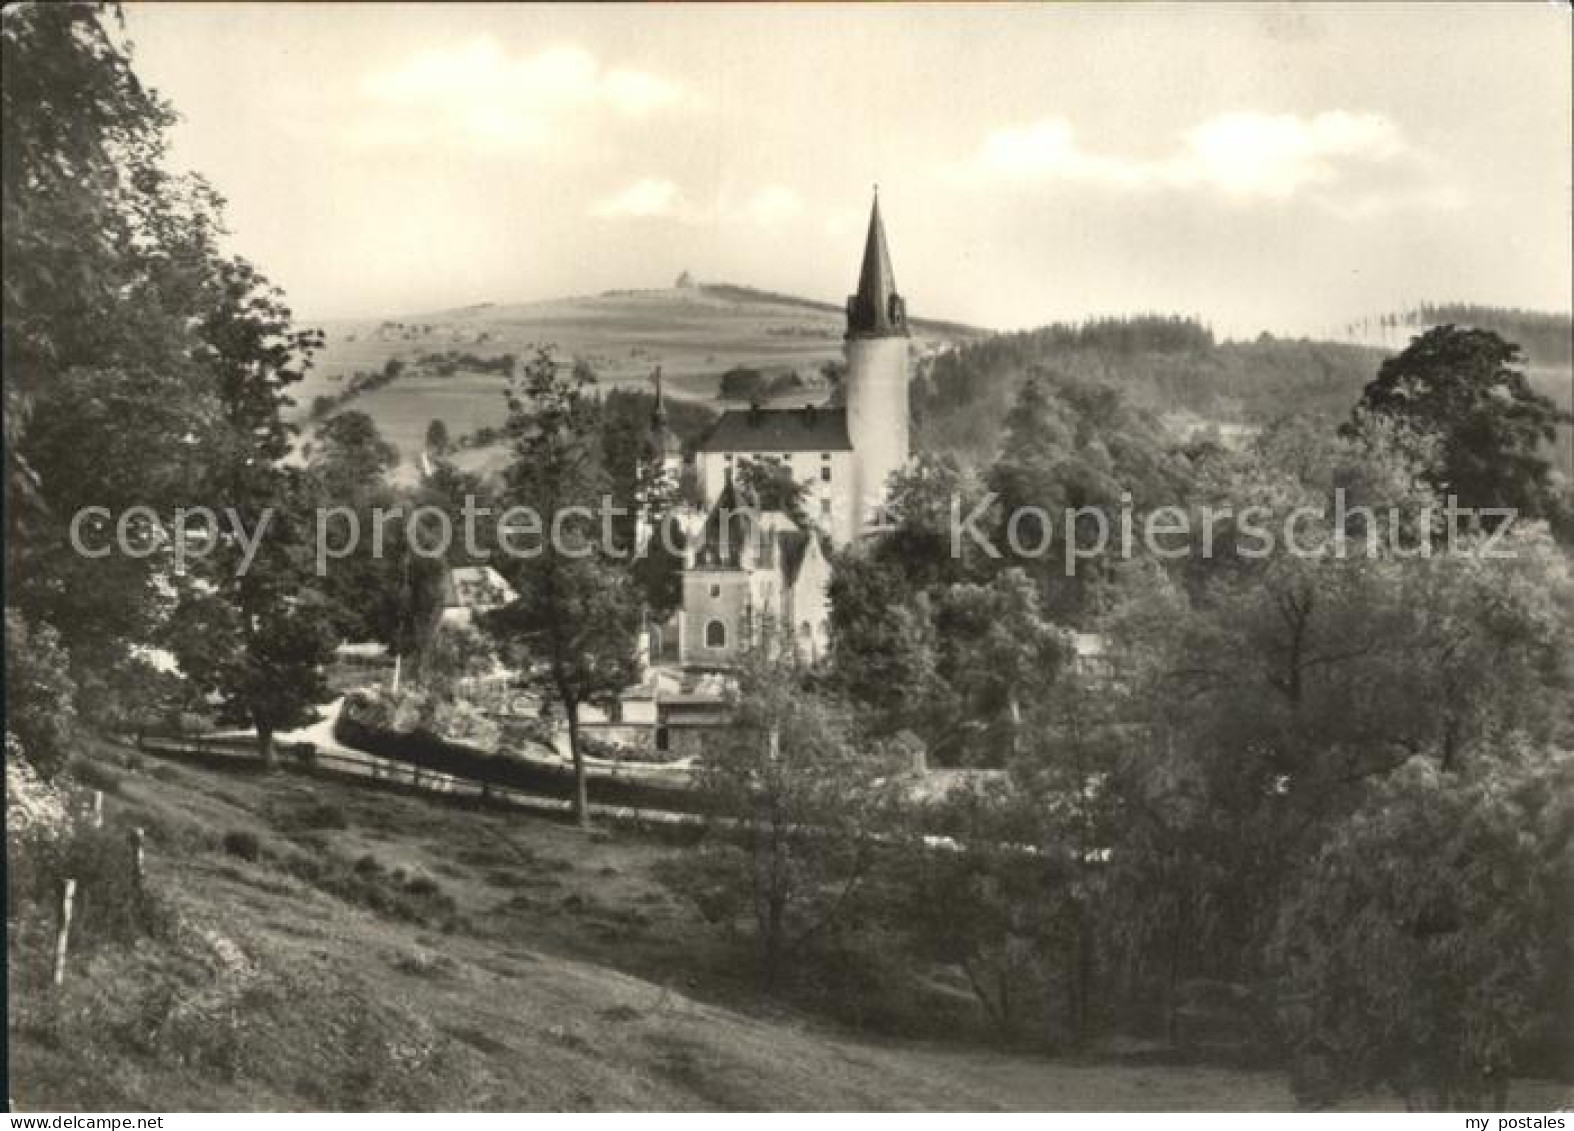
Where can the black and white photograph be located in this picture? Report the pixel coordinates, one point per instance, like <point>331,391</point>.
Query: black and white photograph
<point>785,557</point>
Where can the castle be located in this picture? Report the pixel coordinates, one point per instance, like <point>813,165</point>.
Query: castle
<point>745,566</point>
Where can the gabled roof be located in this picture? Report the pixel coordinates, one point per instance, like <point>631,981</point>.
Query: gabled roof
<point>738,535</point>
<point>809,429</point>
<point>729,529</point>
<point>876,311</point>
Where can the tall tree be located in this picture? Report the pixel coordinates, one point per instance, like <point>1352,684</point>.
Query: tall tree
<point>798,811</point>
<point>1469,388</point>
<point>573,628</point>
<point>106,256</point>
<point>250,626</point>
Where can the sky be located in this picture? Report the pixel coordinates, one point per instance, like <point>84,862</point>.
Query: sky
<point>1263,167</point>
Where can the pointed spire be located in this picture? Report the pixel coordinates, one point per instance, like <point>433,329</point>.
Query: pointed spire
<point>658,412</point>
<point>877,310</point>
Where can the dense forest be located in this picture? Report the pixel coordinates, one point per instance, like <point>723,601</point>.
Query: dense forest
<point>1166,364</point>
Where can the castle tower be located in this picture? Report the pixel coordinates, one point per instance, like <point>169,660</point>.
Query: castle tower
<point>877,372</point>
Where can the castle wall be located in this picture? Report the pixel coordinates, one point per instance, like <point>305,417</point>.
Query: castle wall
<point>713,595</point>
<point>830,503</point>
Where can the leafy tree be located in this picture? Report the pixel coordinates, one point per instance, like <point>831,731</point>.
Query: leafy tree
<point>774,488</point>
<point>437,441</point>
<point>1418,949</point>
<point>796,813</point>
<point>997,655</point>
<point>986,902</point>
<point>574,626</point>
<point>1469,388</point>
<point>1070,446</point>
<point>350,458</point>
<point>883,647</point>
<point>256,633</point>
<point>106,257</point>
<point>40,708</point>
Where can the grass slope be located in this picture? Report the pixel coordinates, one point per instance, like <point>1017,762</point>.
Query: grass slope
<point>385,951</point>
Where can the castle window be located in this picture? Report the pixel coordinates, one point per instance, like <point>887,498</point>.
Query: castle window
<point>715,590</point>
<point>715,635</point>
<point>825,507</point>
<point>825,473</point>
<point>663,738</point>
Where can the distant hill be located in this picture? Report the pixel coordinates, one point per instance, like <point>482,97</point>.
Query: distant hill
<point>448,361</point>
<point>1547,338</point>
<point>1176,368</point>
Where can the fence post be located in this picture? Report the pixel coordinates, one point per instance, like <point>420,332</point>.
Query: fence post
<point>98,808</point>
<point>137,858</point>
<point>68,894</point>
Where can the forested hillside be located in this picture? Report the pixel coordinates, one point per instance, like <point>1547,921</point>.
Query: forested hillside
<point>1167,364</point>
<point>1546,338</point>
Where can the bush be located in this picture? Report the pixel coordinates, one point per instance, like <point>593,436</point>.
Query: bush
<point>94,775</point>
<point>110,907</point>
<point>315,816</point>
<point>1424,949</point>
<point>40,696</point>
<point>244,844</point>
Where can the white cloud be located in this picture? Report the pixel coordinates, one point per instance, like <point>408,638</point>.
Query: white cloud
<point>1049,149</point>
<point>646,198</point>
<point>656,197</point>
<point>773,204</point>
<point>1275,155</point>
<point>1242,155</point>
<point>480,94</point>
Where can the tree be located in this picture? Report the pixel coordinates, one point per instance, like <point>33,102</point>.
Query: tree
<point>774,488</point>
<point>263,655</point>
<point>350,458</point>
<point>106,254</point>
<point>796,812</point>
<point>997,655</point>
<point>256,632</point>
<point>1073,445</point>
<point>437,441</point>
<point>1469,388</point>
<point>1418,950</point>
<point>40,707</point>
<point>883,648</point>
<point>573,629</point>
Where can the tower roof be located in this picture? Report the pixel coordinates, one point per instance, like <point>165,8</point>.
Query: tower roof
<point>662,438</point>
<point>877,310</point>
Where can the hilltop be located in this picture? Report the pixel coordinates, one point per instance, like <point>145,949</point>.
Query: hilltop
<point>695,333</point>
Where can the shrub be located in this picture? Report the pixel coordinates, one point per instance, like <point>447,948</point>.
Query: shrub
<point>110,907</point>
<point>40,696</point>
<point>1420,950</point>
<point>244,844</point>
<point>317,815</point>
<point>94,775</point>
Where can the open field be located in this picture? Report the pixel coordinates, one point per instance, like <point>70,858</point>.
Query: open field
<point>367,949</point>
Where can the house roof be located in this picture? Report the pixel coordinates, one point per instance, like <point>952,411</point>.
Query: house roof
<point>809,429</point>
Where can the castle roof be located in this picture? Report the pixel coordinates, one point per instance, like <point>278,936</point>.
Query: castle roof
<point>738,535</point>
<point>876,311</point>
<point>809,429</point>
